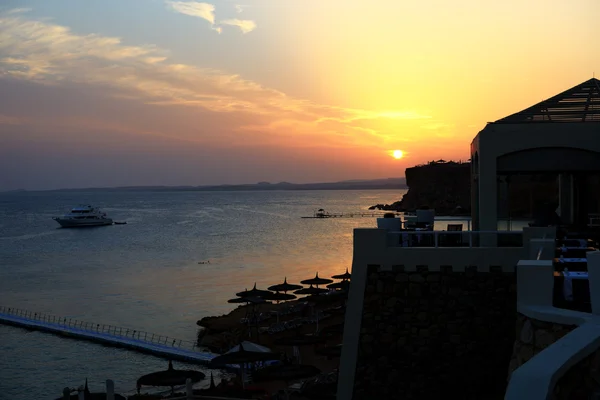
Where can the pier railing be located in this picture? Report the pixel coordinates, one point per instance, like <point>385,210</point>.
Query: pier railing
<point>114,331</point>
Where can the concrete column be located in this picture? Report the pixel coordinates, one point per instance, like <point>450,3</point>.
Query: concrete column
<point>475,202</point>
<point>488,201</point>
<point>368,243</point>
<point>535,283</point>
<point>110,390</point>
<point>593,261</point>
<point>189,391</point>
<point>565,197</point>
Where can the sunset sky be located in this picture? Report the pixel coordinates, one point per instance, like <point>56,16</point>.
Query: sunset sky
<point>165,92</point>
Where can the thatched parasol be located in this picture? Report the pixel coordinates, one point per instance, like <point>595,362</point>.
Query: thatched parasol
<point>237,300</point>
<point>247,300</point>
<point>254,292</point>
<point>279,297</point>
<point>243,356</point>
<point>285,286</point>
<point>170,377</point>
<point>344,285</point>
<point>345,276</point>
<point>316,281</point>
<point>311,290</point>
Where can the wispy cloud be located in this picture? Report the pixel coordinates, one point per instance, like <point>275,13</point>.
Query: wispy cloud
<point>244,24</point>
<point>51,54</point>
<point>205,11</point>
<point>18,11</point>
<point>239,8</point>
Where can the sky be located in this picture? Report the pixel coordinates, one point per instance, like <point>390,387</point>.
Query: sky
<point>165,92</point>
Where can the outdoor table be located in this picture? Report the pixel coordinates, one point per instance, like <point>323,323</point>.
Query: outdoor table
<point>572,264</point>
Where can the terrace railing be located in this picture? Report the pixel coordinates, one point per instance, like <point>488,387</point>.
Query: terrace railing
<point>453,238</point>
<point>110,330</point>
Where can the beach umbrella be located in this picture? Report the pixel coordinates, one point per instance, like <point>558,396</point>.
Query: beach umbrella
<point>248,300</point>
<point>237,300</point>
<point>242,356</point>
<point>279,297</point>
<point>316,281</point>
<point>344,285</point>
<point>345,276</point>
<point>285,286</point>
<point>169,377</point>
<point>254,292</point>
<point>311,290</point>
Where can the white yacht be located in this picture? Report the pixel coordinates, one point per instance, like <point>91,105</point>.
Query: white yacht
<point>84,215</point>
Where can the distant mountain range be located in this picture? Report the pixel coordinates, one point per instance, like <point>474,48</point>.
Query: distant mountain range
<point>389,183</point>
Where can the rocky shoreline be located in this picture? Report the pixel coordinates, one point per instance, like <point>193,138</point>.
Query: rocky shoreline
<point>445,186</point>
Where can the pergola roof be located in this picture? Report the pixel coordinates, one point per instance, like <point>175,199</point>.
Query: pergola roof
<point>581,103</point>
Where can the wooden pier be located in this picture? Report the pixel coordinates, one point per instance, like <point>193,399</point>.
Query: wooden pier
<point>144,342</point>
<point>324,215</point>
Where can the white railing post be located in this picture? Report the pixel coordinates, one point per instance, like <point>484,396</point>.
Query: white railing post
<point>535,283</point>
<point>593,265</point>
<point>110,390</point>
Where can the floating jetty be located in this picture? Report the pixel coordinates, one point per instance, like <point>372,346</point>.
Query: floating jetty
<point>144,342</point>
<point>321,214</point>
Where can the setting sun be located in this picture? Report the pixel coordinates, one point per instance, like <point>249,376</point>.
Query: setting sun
<point>397,154</point>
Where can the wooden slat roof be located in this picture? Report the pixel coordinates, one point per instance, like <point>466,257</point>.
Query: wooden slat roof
<point>581,103</point>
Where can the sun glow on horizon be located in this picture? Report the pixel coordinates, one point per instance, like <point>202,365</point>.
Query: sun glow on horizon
<point>397,154</point>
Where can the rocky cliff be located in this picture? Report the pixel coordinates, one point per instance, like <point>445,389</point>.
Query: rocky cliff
<point>446,187</point>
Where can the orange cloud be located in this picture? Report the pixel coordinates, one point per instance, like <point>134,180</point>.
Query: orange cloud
<point>47,53</point>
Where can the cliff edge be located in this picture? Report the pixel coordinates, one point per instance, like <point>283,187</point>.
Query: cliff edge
<point>446,187</point>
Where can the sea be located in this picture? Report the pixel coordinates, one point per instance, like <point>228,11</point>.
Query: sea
<point>178,259</point>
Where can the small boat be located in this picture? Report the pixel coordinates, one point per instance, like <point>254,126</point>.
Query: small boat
<point>83,216</point>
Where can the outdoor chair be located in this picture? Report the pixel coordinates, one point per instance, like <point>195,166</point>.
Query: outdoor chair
<point>454,239</point>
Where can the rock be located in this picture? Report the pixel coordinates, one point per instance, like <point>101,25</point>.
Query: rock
<point>543,338</point>
<point>527,334</point>
<point>445,186</point>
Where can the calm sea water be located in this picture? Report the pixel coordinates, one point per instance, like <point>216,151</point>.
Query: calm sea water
<point>145,275</point>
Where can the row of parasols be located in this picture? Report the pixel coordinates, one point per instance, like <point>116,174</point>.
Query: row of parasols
<point>279,292</point>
